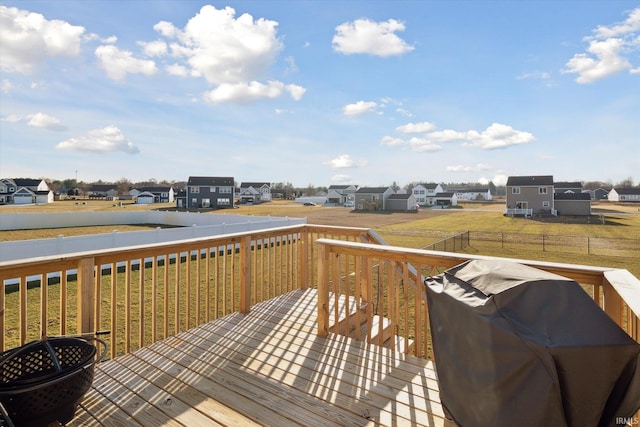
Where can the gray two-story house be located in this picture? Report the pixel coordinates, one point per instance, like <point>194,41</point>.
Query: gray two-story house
<point>372,198</point>
<point>209,192</point>
<point>530,195</point>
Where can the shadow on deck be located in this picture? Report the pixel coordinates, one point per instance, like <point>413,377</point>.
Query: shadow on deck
<point>265,368</point>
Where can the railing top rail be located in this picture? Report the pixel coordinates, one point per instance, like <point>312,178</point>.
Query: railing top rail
<point>581,273</point>
<point>177,244</point>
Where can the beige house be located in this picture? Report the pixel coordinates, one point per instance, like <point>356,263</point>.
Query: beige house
<point>530,195</point>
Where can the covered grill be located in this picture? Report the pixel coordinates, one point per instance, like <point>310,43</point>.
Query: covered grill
<point>515,345</point>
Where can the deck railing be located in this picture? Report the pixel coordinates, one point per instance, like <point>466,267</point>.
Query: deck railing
<point>148,292</point>
<point>383,282</point>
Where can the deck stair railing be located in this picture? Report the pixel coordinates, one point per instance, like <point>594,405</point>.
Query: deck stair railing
<point>376,292</point>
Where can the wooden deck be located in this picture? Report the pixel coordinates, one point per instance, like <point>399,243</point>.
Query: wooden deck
<point>265,368</point>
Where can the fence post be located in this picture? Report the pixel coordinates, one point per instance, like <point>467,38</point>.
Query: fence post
<point>303,261</point>
<point>323,291</point>
<point>86,295</point>
<point>245,274</point>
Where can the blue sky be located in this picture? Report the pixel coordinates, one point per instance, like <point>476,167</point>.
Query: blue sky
<point>320,92</point>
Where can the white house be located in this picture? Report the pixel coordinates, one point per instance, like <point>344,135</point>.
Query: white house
<point>425,193</point>
<point>341,194</point>
<point>624,195</point>
<point>254,192</point>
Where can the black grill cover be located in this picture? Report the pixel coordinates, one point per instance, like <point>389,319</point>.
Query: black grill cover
<point>515,345</point>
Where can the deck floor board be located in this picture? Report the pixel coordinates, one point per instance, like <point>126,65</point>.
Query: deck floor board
<point>265,368</point>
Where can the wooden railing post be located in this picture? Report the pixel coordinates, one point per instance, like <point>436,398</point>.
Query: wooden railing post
<point>323,290</point>
<point>612,303</point>
<point>245,274</point>
<point>86,296</point>
<point>303,262</point>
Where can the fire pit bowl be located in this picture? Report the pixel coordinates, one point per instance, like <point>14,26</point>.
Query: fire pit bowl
<point>43,381</point>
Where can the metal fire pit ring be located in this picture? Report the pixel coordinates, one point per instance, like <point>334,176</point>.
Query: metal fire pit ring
<point>43,381</point>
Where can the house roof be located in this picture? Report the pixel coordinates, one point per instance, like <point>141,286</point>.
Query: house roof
<point>27,182</point>
<point>162,189</point>
<point>210,180</point>
<point>628,191</point>
<point>340,187</point>
<point>567,185</point>
<point>400,196</point>
<point>530,180</point>
<point>445,194</point>
<point>429,186</point>
<point>572,196</point>
<point>372,190</point>
<point>254,184</point>
<point>103,187</point>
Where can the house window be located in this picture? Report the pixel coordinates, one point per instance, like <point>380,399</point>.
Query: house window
<point>515,190</point>
<point>195,190</point>
<point>542,190</point>
<point>194,202</point>
<point>206,203</point>
<point>545,204</point>
<point>225,190</point>
<point>224,201</point>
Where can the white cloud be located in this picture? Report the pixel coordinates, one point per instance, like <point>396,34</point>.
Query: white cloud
<point>28,39</point>
<point>231,53</point>
<point>177,70</point>
<point>107,140</point>
<point>44,121</point>
<point>391,141</point>
<point>244,93</point>
<point>360,107</point>
<point>423,144</point>
<point>498,136</point>
<point>154,48</point>
<point>118,63</point>
<point>37,120</point>
<point>495,136</point>
<point>344,161</point>
<point>468,168</point>
<point>422,127</point>
<point>374,38</point>
<point>224,49</point>
<point>606,50</point>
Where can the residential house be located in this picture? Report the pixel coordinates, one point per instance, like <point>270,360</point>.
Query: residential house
<point>472,193</point>
<point>425,193</point>
<point>208,192</point>
<point>624,194</point>
<point>446,199</point>
<point>342,194</point>
<point>567,187</point>
<point>254,192</point>
<point>600,194</point>
<point>372,198</point>
<point>24,191</point>
<point>572,203</point>
<point>161,194</point>
<point>403,202</point>
<point>103,191</point>
<point>145,198</point>
<point>530,195</point>
<point>7,188</point>
<point>181,198</point>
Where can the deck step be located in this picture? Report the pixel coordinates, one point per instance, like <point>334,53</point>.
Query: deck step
<point>381,330</point>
